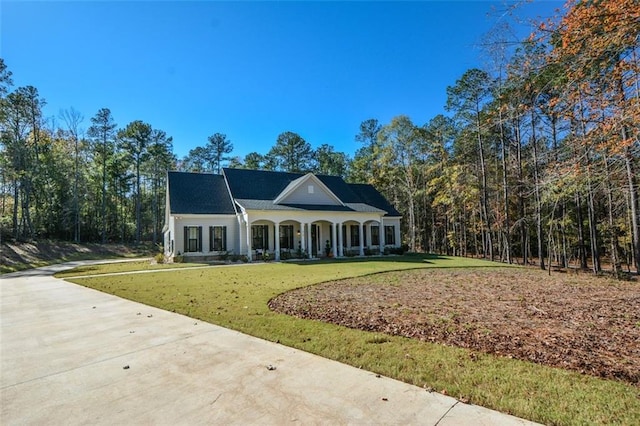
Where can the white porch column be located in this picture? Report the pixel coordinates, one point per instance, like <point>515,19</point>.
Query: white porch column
<point>310,242</point>
<point>239,234</point>
<point>361,235</point>
<point>249,245</point>
<point>340,238</point>
<point>381,234</point>
<point>303,241</point>
<point>334,240</point>
<point>276,236</point>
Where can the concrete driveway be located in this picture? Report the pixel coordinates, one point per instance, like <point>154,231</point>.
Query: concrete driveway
<point>72,355</point>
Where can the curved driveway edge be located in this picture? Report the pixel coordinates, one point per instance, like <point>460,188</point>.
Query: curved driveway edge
<point>73,355</point>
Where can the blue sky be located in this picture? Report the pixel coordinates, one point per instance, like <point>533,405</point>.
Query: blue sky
<point>251,70</point>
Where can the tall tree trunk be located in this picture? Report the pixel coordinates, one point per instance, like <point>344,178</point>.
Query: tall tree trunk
<point>138,201</point>
<point>582,250</point>
<point>593,232</point>
<point>76,202</point>
<point>615,260</point>
<point>103,201</point>
<point>633,201</point>
<point>536,179</point>
<point>505,193</point>
<point>484,196</point>
<point>521,200</point>
<point>16,204</point>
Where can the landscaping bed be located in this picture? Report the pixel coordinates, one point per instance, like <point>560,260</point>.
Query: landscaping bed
<point>567,320</point>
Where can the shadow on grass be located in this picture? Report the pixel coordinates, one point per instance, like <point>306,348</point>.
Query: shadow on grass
<point>417,258</point>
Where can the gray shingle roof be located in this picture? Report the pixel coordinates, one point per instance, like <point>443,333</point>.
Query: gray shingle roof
<point>257,184</point>
<point>268,205</point>
<point>369,195</point>
<point>198,193</point>
<point>203,193</point>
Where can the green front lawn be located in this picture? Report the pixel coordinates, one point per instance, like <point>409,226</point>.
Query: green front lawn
<point>120,267</point>
<point>236,297</point>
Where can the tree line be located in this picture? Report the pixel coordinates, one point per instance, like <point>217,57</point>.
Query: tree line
<point>537,160</point>
<point>534,159</point>
<point>107,183</point>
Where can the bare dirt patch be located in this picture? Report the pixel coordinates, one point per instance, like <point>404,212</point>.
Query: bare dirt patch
<point>571,321</point>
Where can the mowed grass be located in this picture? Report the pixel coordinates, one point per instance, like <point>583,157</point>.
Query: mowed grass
<point>120,267</point>
<point>236,297</point>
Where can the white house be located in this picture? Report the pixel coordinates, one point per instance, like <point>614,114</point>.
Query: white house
<point>253,212</point>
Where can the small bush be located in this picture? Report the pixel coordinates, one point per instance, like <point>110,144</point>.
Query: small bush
<point>159,258</point>
<point>395,250</point>
<point>285,255</point>
<point>178,259</point>
<point>351,252</point>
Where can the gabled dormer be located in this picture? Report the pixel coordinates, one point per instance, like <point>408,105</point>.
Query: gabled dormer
<point>308,189</point>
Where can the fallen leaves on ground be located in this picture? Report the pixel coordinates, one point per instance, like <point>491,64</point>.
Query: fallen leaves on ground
<point>572,321</point>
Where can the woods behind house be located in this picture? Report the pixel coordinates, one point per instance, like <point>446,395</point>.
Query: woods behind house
<point>534,159</point>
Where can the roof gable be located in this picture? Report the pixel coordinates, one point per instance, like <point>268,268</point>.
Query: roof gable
<point>307,189</point>
<point>261,188</point>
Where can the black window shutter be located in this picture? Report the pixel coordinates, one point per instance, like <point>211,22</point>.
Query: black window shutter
<point>199,238</point>
<point>224,238</point>
<point>186,239</point>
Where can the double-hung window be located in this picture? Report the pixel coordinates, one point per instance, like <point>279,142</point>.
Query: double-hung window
<point>390,235</point>
<point>192,239</point>
<point>217,238</point>
<point>375,235</point>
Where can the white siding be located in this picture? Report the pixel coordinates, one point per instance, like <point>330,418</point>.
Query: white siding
<point>205,221</point>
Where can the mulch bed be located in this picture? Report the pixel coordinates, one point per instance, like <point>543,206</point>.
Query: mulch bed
<point>567,320</point>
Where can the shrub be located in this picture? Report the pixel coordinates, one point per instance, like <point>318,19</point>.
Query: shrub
<point>178,259</point>
<point>285,255</point>
<point>159,258</point>
<point>351,252</point>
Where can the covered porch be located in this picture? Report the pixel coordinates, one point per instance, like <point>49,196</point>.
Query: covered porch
<point>282,235</point>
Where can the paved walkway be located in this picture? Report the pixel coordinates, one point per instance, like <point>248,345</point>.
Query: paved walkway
<point>72,355</point>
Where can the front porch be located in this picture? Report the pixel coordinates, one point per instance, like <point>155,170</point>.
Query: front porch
<point>286,238</point>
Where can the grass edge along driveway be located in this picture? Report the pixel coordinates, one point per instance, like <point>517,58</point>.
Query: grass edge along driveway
<point>236,298</point>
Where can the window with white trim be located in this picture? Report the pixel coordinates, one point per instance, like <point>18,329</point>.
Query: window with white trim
<point>192,239</point>
<point>375,235</point>
<point>390,234</point>
<point>217,238</point>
